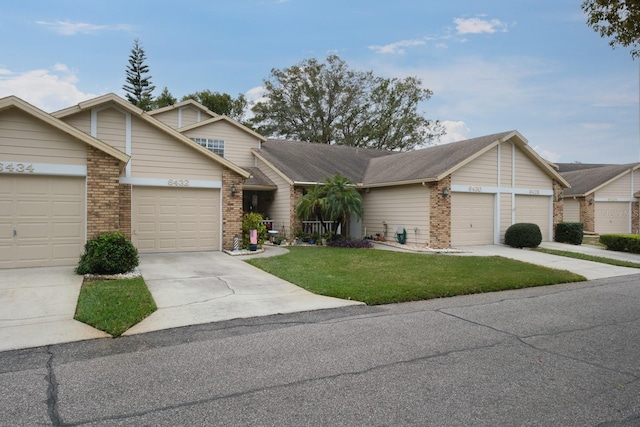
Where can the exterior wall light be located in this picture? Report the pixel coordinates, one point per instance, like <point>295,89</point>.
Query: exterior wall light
<point>590,201</point>
<point>560,197</point>
<point>445,192</point>
<point>234,190</point>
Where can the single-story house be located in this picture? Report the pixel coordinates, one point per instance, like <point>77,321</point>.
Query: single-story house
<point>603,197</point>
<point>179,179</point>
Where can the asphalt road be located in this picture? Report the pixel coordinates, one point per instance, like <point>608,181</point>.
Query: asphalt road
<point>566,355</point>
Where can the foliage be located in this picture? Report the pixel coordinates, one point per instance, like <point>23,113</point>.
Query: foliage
<point>618,19</point>
<point>570,232</point>
<point>220,103</point>
<point>350,243</point>
<point>621,242</point>
<point>523,235</point>
<point>164,99</point>
<point>383,277</point>
<point>110,253</point>
<point>252,221</point>
<point>330,103</point>
<point>114,306</point>
<point>138,84</point>
<point>333,200</point>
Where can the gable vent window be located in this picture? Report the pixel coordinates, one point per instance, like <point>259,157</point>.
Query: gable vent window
<point>215,145</point>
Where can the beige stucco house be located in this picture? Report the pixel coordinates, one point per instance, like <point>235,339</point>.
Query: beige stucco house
<point>179,179</point>
<point>604,198</point>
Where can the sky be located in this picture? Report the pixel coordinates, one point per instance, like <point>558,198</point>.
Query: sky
<point>528,65</point>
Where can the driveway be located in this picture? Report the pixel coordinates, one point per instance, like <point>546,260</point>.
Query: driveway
<point>37,306</point>
<point>192,288</point>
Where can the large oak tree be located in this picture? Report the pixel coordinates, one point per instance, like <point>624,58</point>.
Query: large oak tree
<point>618,19</point>
<point>333,104</point>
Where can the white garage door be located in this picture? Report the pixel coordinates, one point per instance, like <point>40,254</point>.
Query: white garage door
<point>536,210</point>
<point>571,210</point>
<point>42,220</point>
<point>612,217</point>
<point>175,219</point>
<point>472,219</point>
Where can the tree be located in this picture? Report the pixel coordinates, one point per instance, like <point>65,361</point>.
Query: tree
<point>164,99</point>
<point>336,199</point>
<point>330,103</point>
<point>220,103</point>
<point>619,19</point>
<point>138,87</point>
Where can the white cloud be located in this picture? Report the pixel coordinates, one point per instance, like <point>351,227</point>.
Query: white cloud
<point>67,28</point>
<point>479,26</point>
<point>48,89</point>
<point>397,47</point>
<point>253,96</point>
<point>456,131</point>
<point>548,155</point>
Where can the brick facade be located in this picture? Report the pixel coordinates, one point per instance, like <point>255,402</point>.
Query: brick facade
<point>231,208</point>
<point>440,214</point>
<point>588,213</point>
<point>558,205</point>
<point>103,195</point>
<point>635,217</point>
<point>125,210</point>
<point>295,224</point>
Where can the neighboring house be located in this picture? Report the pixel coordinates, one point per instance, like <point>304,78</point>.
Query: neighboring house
<point>464,193</point>
<point>179,179</point>
<point>602,197</point>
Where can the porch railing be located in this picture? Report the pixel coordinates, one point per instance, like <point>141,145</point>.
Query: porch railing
<point>315,227</point>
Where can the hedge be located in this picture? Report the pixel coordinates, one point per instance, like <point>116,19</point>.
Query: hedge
<point>569,232</point>
<point>621,242</point>
<point>523,235</point>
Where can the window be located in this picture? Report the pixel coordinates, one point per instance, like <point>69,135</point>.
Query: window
<point>215,145</point>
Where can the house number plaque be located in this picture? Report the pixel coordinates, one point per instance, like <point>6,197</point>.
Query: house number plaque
<point>16,168</point>
<point>178,183</point>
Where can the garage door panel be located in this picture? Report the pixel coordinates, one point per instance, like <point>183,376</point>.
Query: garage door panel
<point>48,214</point>
<point>612,217</point>
<point>176,219</point>
<point>472,219</point>
<point>535,210</point>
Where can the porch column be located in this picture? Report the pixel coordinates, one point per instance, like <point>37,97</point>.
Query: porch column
<point>231,207</point>
<point>440,214</point>
<point>295,194</point>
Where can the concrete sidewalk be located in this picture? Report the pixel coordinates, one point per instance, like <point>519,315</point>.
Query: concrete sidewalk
<point>201,287</point>
<point>589,269</point>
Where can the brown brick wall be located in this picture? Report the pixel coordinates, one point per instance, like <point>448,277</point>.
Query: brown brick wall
<point>103,195</point>
<point>295,194</point>
<point>635,217</point>
<point>558,205</point>
<point>231,208</point>
<point>440,214</point>
<point>588,213</point>
<point>125,209</point>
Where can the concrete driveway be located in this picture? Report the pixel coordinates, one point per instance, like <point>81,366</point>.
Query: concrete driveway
<point>192,288</point>
<point>37,306</point>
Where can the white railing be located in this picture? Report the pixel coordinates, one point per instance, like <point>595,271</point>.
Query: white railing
<point>315,227</point>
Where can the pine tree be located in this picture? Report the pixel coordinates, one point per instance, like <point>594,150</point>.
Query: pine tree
<point>139,88</point>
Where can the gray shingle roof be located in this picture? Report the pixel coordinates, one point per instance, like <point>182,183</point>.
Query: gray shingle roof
<point>258,179</point>
<point>585,180</point>
<point>309,162</point>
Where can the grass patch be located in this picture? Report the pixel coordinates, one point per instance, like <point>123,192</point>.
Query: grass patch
<point>602,260</point>
<point>114,306</point>
<point>383,277</point>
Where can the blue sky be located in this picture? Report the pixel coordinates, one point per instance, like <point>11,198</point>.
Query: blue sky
<point>530,65</point>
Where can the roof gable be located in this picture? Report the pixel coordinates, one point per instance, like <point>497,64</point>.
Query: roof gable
<point>226,119</point>
<point>590,178</point>
<point>187,102</point>
<point>114,100</point>
<point>15,102</point>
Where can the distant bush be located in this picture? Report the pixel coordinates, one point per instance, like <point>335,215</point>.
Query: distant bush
<point>110,253</point>
<point>523,235</point>
<point>570,232</point>
<point>253,221</point>
<point>350,243</point>
<point>621,242</point>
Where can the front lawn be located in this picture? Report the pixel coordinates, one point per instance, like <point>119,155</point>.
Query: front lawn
<point>383,277</point>
<point>114,306</point>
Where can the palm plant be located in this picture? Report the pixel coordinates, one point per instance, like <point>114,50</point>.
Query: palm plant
<point>312,205</point>
<point>343,200</point>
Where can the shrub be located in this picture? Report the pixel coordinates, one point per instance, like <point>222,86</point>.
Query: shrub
<point>570,232</point>
<point>523,235</point>
<point>110,253</point>
<point>621,242</point>
<point>252,221</point>
<point>350,243</point>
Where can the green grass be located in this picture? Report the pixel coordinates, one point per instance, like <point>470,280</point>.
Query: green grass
<point>592,240</point>
<point>383,277</point>
<point>586,257</point>
<point>114,306</point>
